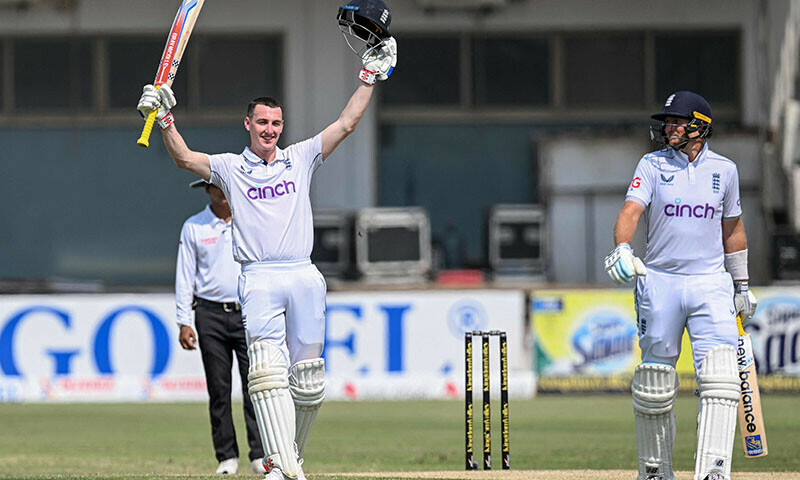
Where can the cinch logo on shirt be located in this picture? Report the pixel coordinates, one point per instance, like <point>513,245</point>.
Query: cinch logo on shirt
<point>278,190</point>
<point>694,211</point>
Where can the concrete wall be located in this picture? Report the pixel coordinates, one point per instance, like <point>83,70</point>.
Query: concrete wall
<point>319,75</point>
<point>585,179</point>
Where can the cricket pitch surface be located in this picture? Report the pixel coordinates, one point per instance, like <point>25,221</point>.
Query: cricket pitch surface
<point>554,475</point>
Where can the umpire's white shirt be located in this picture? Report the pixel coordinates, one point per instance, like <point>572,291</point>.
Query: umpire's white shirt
<point>271,205</point>
<point>206,267</point>
<point>685,205</point>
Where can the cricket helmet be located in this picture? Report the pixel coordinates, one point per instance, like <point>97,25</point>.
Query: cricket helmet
<point>364,24</point>
<point>683,104</point>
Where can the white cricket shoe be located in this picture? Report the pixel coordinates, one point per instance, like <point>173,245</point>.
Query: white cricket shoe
<point>228,467</point>
<point>257,466</point>
<point>277,474</point>
<point>716,476</point>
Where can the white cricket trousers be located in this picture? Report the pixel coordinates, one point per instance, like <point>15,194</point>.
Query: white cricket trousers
<point>283,303</point>
<point>666,303</point>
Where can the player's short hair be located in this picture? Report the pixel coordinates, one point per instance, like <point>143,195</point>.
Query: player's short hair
<point>266,101</point>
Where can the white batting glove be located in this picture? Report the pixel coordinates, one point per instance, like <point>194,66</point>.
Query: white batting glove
<point>379,62</point>
<point>162,99</point>
<point>621,265</point>
<point>744,300</point>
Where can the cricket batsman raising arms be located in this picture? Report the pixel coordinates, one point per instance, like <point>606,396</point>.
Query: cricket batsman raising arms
<point>282,294</point>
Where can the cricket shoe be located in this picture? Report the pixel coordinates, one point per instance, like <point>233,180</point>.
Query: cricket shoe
<point>716,476</point>
<point>257,466</point>
<point>228,467</point>
<point>275,473</point>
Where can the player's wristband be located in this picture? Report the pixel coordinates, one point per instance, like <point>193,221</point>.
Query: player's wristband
<point>736,264</point>
<point>367,76</point>
<point>166,121</point>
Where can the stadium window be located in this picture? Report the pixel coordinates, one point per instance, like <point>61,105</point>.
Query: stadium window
<point>429,74</point>
<point>52,73</point>
<point>132,63</point>
<point>528,86</point>
<point>706,63</point>
<point>218,57</point>
<point>604,71</point>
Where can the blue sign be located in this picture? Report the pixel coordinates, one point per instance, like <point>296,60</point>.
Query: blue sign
<point>101,346</point>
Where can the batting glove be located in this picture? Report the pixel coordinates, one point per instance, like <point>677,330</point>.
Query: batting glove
<point>161,98</point>
<point>744,300</point>
<point>379,62</point>
<point>621,265</point>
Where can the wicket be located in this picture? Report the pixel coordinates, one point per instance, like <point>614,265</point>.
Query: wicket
<point>468,389</point>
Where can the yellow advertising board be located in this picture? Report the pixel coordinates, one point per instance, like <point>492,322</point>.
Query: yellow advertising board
<point>586,339</point>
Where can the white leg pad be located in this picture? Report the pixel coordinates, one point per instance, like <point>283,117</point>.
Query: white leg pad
<point>268,386</point>
<point>654,388</point>
<point>307,384</point>
<point>719,396</point>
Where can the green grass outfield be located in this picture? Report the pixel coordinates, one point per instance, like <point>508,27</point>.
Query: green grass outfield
<point>550,432</point>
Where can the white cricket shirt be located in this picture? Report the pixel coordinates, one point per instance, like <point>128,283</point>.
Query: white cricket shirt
<point>270,203</point>
<point>206,267</point>
<point>685,204</point>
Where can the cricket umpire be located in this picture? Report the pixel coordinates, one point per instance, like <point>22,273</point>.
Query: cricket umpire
<point>694,277</point>
<point>205,279</point>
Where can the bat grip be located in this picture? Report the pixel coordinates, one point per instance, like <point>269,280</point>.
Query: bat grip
<point>144,140</point>
<point>739,324</point>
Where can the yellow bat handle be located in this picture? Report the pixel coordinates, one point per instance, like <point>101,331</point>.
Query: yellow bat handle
<point>739,324</point>
<point>144,140</point>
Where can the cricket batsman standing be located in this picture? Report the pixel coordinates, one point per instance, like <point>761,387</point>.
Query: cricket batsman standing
<point>281,293</point>
<point>695,278</point>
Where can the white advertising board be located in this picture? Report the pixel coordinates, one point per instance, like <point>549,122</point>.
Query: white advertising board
<point>411,344</point>
<point>125,347</point>
<point>775,331</point>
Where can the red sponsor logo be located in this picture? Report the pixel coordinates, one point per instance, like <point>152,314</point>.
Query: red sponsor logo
<point>350,391</point>
<point>452,390</point>
<point>209,241</point>
<point>183,385</point>
<point>86,385</point>
<point>637,181</point>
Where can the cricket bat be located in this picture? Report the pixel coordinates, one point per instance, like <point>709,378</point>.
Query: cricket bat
<point>751,420</point>
<point>171,58</point>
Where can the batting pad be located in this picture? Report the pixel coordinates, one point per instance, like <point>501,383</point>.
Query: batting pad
<point>307,384</point>
<point>268,386</point>
<point>654,388</point>
<point>718,383</point>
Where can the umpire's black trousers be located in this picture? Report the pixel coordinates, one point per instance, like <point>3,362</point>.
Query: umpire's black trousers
<point>220,334</point>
